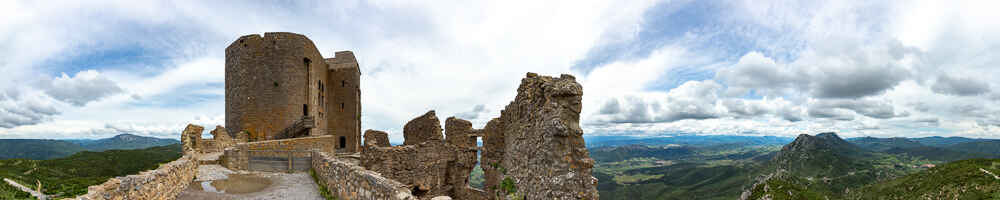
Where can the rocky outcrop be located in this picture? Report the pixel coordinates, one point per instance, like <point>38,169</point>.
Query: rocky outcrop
<point>424,128</point>
<point>544,155</point>
<point>191,138</point>
<point>376,138</point>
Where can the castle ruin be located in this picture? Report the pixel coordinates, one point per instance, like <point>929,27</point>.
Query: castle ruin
<point>279,86</point>
<point>283,114</point>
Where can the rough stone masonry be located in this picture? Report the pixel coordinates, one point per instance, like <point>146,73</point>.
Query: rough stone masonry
<point>534,150</point>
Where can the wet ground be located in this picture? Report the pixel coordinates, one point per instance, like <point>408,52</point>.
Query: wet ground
<point>216,182</point>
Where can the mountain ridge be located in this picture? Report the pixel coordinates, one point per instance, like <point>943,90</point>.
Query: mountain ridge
<point>45,149</point>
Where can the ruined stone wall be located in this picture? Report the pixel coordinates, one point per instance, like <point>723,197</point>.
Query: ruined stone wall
<point>344,104</point>
<point>237,157</point>
<point>429,165</point>
<point>350,181</point>
<point>423,166</point>
<point>165,182</point>
<point>267,83</point>
<point>544,155</point>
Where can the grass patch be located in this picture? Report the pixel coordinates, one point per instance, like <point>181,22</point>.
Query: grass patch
<point>323,191</point>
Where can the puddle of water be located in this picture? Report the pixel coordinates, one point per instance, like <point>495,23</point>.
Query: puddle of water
<point>235,184</point>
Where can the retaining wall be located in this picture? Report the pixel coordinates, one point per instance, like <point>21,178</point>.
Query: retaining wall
<point>350,181</point>
<point>237,157</point>
<point>165,182</point>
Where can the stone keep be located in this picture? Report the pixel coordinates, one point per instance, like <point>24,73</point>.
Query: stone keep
<point>280,80</point>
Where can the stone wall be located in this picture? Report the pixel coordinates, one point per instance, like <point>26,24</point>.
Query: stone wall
<point>237,157</point>
<point>344,105</point>
<point>543,152</point>
<point>165,182</point>
<point>350,181</point>
<point>269,79</point>
<point>430,166</point>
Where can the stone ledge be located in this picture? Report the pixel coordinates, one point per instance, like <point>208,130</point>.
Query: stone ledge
<point>165,182</point>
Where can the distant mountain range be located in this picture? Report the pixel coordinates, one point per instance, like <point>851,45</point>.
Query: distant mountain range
<point>44,149</point>
<point>827,167</point>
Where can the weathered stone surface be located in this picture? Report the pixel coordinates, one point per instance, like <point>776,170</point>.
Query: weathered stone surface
<point>544,154</point>
<point>273,80</point>
<point>237,157</point>
<point>191,138</point>
<point>441,198</point>
<point>376,138</point>
<point>165,182</point>
<point>493,153</point>
<point>300,128</point>
<point>222,140</point>
<point>350,181</point>
<point>242,136</point>
<point>424,128</point>
<point>460,137</point>
<point>423,167</point>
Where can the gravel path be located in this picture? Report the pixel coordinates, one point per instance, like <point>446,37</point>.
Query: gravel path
<point>284,186</point>
<point>32,192</point>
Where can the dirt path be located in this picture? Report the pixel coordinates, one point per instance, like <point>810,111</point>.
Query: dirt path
<point>25,189</point>
<point>282,185</point>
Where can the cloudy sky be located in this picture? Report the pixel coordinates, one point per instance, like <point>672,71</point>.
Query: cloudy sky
<point>899,68</point>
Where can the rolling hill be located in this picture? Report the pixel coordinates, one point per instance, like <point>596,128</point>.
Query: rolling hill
<point>70,176</point>
<point>966,179</point>
<point>43,149</point>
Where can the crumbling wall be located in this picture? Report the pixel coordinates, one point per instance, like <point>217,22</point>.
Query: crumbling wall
<point>377,138</point>
<point>269,79</point>
<point>222,139</point>
<point>429,165</point>
<point>422,129</point>
<point>237,157</point>
<point>165,182</point>
<point>422,162</point>
<point>461,137</point>
<point>350,181</point>
<point>544,155</point>
<point>191,138</point>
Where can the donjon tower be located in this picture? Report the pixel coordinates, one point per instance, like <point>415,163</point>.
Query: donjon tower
<point>279,86</point>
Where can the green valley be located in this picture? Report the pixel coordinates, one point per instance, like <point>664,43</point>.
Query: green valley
<point>70,176</point>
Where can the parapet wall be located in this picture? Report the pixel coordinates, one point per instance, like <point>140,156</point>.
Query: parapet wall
<point>165,182</point>
<point>350,181</point>
<point>237,157</point>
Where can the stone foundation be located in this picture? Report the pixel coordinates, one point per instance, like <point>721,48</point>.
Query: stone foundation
<point>165,182</point>
<point>350,181</point>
